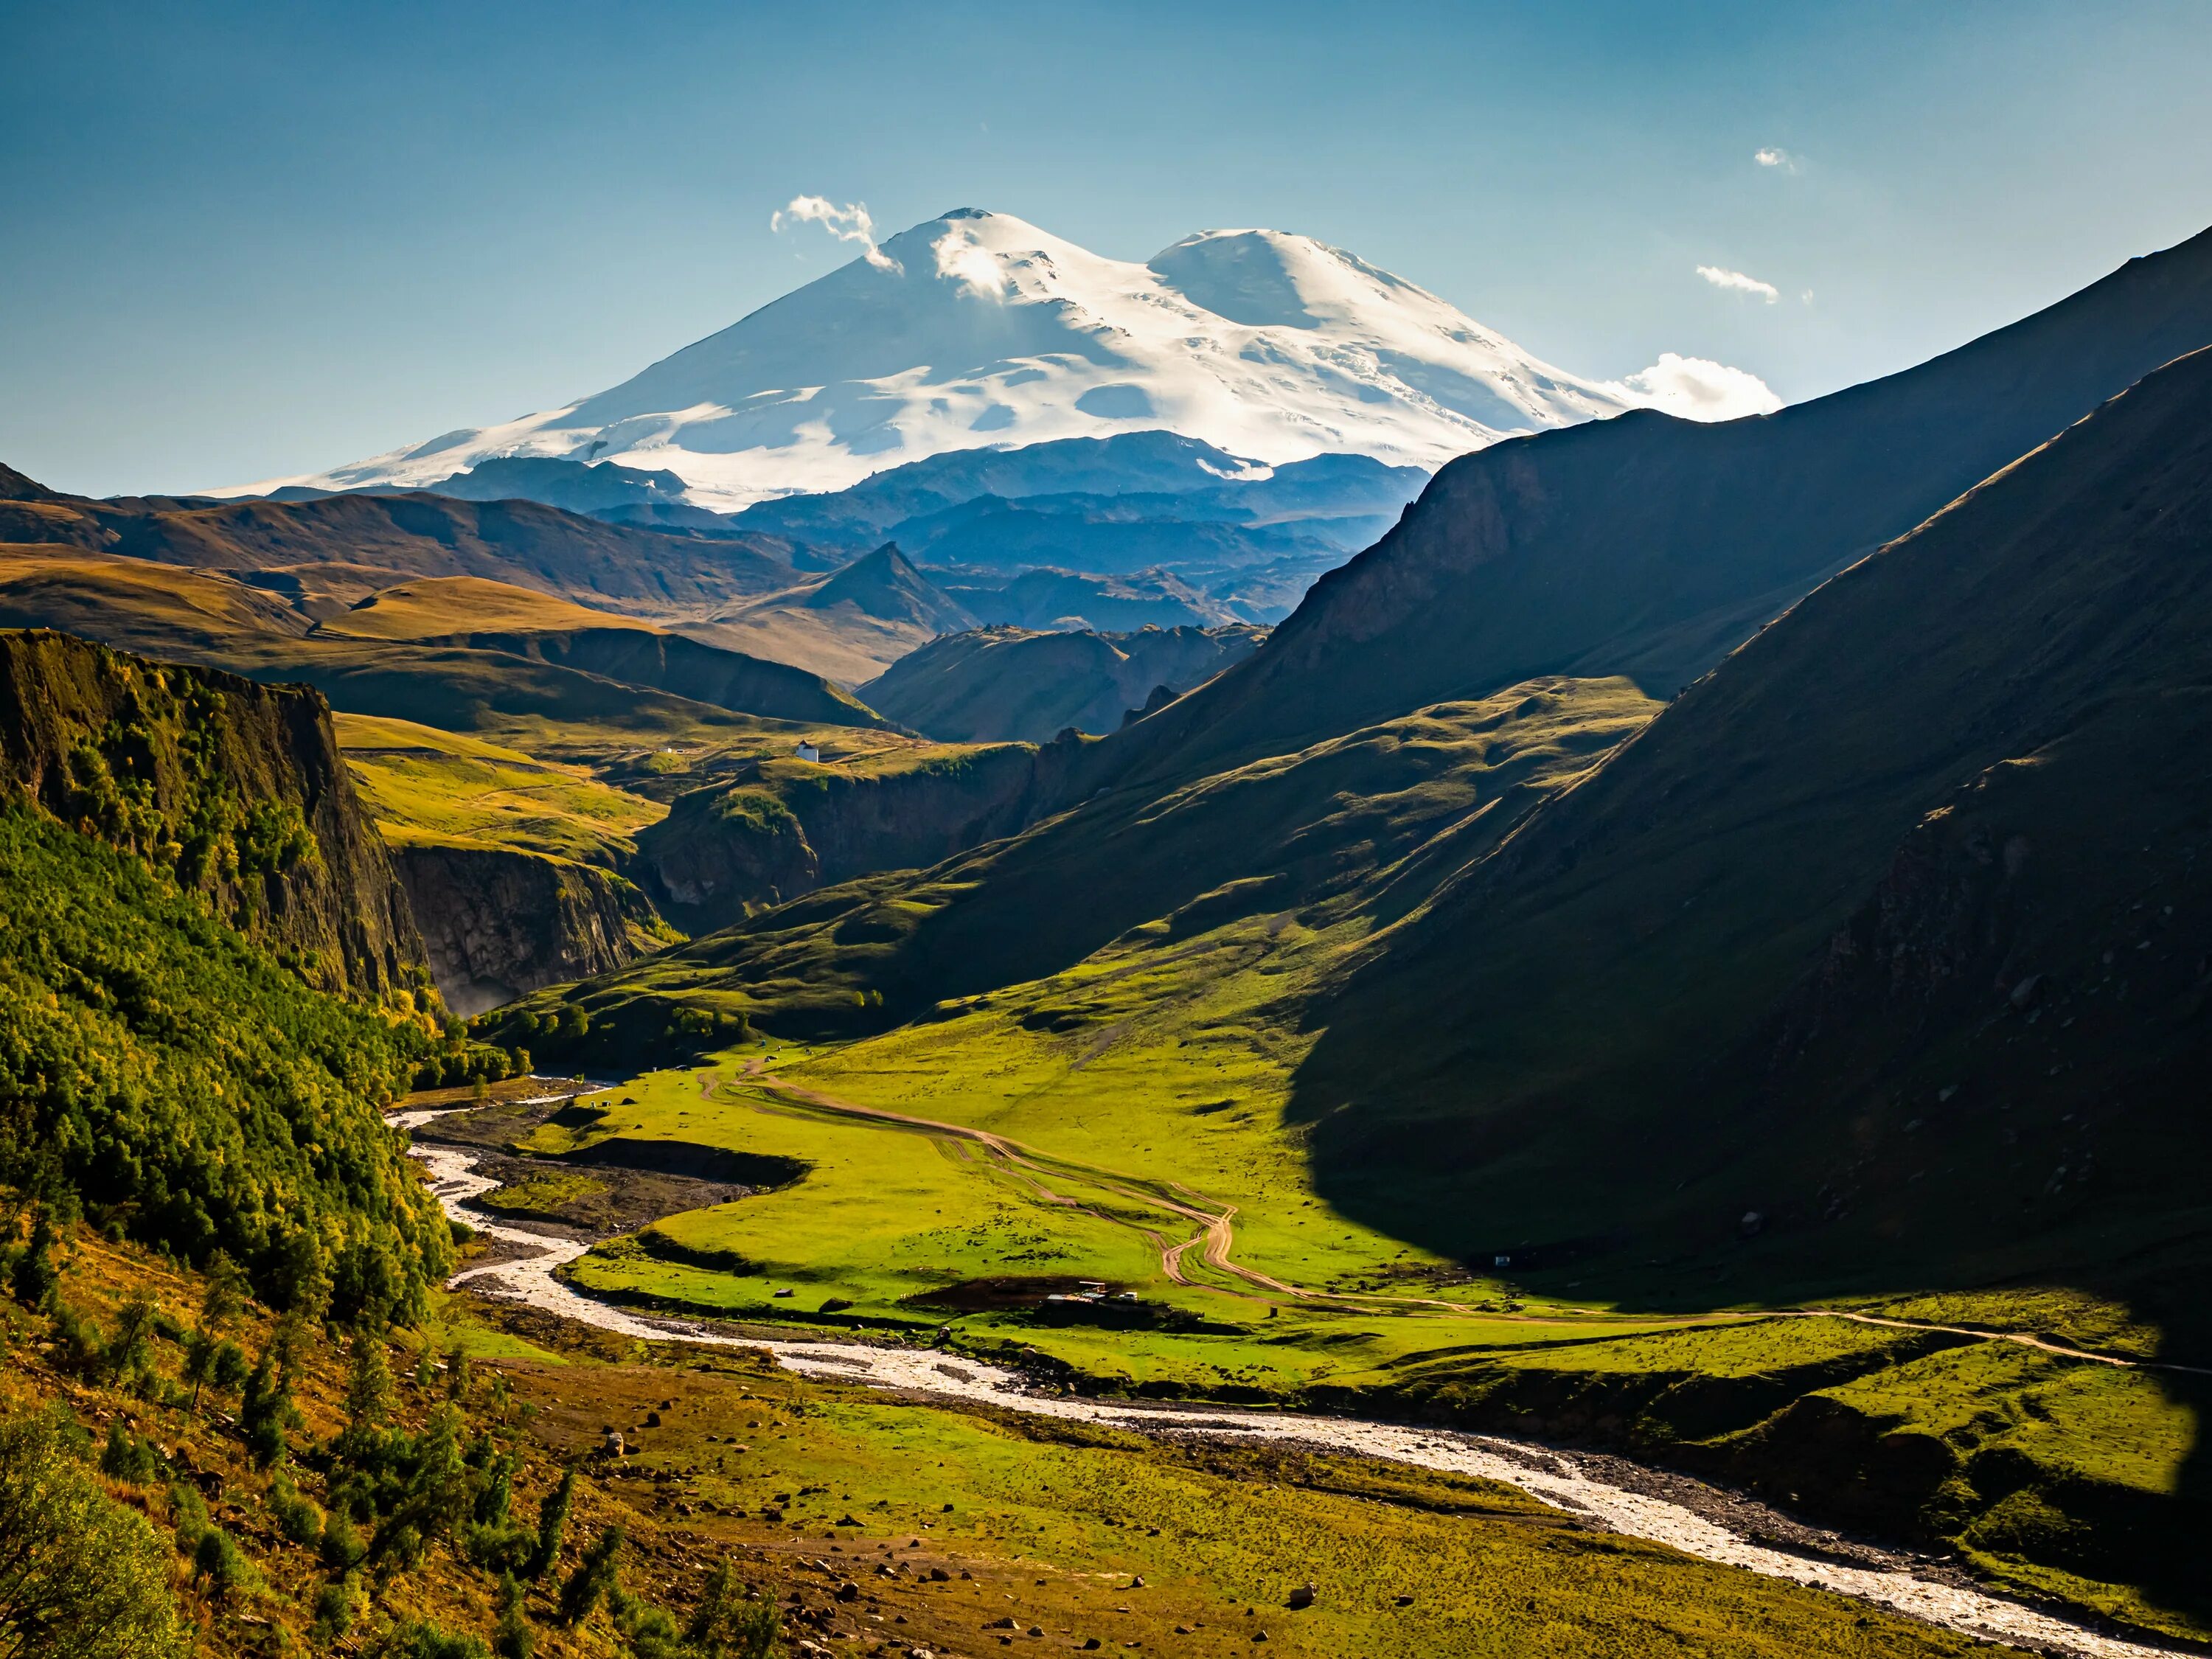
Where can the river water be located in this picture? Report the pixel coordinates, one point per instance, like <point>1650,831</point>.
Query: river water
<point>1554,1476</point>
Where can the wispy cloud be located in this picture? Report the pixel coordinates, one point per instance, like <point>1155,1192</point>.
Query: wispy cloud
<point>848,224</point>
<point>1736,282</point>
<point>1770,157</point>
<point>1698,389</point>
<point>963,259</point>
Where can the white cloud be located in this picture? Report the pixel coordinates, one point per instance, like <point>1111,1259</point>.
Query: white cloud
<point>1698,389</point>
<point>1772,157</point>
<point>848,224</point>
<point>1736,282</point>
<point>966,261</point>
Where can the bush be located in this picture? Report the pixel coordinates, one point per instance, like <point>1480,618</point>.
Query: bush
<point>296,1513</point>
<point>218,1560</point>
<point>337,1604</point>
<point>128,1457</point>
<point>81,1577</point>
<point>422,1640</point>
<point>511,1637</point>
<point>595,1578</point>
<point>727,1625</point>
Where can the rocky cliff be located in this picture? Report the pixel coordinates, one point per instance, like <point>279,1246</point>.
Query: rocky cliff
<point>500,923</point>
<point>784,828</point>
<point>233,788</point>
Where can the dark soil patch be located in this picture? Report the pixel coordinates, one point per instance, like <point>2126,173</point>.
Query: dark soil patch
<point>754,1171</point>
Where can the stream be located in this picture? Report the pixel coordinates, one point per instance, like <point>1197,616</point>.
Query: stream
<point>1570,1481</point>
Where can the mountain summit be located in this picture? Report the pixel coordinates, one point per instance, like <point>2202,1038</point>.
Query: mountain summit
<point>978,330</point>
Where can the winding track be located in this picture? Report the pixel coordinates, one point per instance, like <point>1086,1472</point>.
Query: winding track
<point>1217,1236</point>
<point>1547,1473</point>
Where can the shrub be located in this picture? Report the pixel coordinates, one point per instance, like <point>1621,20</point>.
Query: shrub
<point>595,1576</point>
<point>218,1560</point>
<point>337,1604</point>
<point>81,1577</point>
<point>128,1457</point>
<point>727,1625</point>
<point>422,1640</point>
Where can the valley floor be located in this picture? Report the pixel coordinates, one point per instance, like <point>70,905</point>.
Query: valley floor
<point>930,1230</point>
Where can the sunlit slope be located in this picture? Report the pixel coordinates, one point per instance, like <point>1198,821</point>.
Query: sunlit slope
<point>427,786</point>
<point>539,702</point>
<point>1372,818</point>
<point>1891,931</point>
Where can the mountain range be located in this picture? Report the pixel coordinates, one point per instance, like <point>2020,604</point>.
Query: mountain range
<point>1696,939</point>
<point>978,330</point>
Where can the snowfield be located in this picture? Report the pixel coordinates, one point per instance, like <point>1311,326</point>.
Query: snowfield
<point>979,329</point>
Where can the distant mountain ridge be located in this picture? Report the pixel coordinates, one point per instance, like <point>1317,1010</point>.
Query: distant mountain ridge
<point>1001,683</point>
<point>976,329</point>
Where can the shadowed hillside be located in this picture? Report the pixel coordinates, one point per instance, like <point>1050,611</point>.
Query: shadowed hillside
<point>1959,800</point>
<point>995,683</point>
<point>1650,546</point>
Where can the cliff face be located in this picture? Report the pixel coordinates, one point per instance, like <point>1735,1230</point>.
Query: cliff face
<point>787,827</point>
<point>235,788</point>
<point>996,685</point>
<point>500,923</point>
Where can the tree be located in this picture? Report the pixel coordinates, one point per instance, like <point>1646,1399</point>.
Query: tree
<point>511,1637</point>
<point>368,1384</point>
<point>81,1575</point>
<point>552,1524</point>
<point>725,1624</point>
<point>595,1576</point>
<point>36,1277</point>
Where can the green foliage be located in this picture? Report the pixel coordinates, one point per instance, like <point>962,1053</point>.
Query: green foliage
<point>337,1604</point>
<point>169,1072</point>
<point>129,1457</point>
<point>511,1636</point>
<point>596,1577</point>
<point>368,1384</point>
<point>725,1624</point>
<point>424,1640</point>
<point>33,1275</point>
<point>81,1575</point>
<point>553,1511</point>
<point>296,1513</point>
<point>221,1565</point>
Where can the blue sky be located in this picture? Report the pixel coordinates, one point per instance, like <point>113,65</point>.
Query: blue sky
<point>246,240</point>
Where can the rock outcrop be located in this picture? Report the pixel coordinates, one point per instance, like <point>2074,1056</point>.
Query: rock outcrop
<point>235,789</point>
<point>499,922</point>
<point>785,828</point>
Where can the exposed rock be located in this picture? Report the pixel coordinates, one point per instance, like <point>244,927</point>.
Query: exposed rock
<point>499,922</point>
<point>235,787</point>
<point>784,828</point>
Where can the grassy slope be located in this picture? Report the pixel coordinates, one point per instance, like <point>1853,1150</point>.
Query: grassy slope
<point>546,709</point>
<point>1367,814</point>
<point>423,785</point>
<point>1043,1523</point>
<point>438,607</point>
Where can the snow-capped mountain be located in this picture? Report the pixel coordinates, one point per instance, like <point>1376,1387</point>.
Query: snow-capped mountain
<point>979,329</point>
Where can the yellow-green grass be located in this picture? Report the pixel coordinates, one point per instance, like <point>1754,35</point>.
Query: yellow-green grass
<point>427,786</point>
<point>888,1213</point>
<point>438,607</point>
<point>1052,1525</point>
